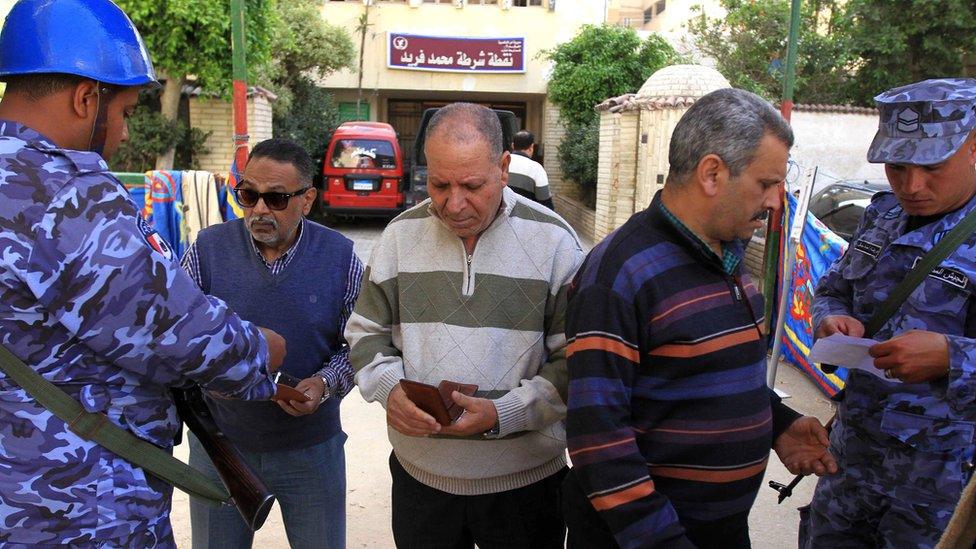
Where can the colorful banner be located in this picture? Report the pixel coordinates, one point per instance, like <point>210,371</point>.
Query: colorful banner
<point>818,249</point>
<point>229,208</point>
<point>164,208</point>
<point>138,194</point>
<point>455,54</point>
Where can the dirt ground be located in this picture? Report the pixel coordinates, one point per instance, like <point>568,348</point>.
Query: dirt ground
<point>368,480</point>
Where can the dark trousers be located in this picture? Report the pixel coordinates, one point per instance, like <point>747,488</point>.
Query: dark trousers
<point>426,518</point>
<point>588,530</point>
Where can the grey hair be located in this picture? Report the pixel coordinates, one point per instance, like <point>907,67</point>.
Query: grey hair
<point>729,123</point>
<point>468,122</point>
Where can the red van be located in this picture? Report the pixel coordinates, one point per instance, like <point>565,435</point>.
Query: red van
<point>363,171</point>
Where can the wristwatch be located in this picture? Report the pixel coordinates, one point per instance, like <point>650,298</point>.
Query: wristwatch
<point>327,392</point>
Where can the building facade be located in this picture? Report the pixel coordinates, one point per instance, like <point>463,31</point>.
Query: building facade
<point>668,17</point>
<point>419,54</point>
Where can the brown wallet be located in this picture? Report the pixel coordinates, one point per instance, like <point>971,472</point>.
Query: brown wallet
<point>437,401</point>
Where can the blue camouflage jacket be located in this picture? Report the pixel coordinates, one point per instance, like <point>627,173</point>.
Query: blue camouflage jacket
<point>91,299</point>
<point>934,416</point>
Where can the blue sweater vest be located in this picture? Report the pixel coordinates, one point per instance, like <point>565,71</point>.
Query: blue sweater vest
<point>303,303</point>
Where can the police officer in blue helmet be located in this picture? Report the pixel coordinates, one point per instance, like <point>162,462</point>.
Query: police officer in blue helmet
<point>905,441</point>
<point>90,297</point>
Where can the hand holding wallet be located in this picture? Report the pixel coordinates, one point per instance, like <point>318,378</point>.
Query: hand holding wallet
<point>286,388</point>
<point>437,401</point>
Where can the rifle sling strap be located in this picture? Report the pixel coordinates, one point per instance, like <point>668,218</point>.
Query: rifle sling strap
<point>97,428</point>
<point>929,261</point>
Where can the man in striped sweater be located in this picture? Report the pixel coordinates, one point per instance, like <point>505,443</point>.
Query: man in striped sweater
<point>670,421</point>
<point>470,286</point>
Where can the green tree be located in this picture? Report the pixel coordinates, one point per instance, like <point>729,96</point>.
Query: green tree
<point>193,37</point>
<point>306,46</point>
<point>598,63</point>
<point>311,118</point>
<point>579,157</point>
<point>154,136</point>
<point>749,46</point>
<point>904,41</point>
<point>602,62</point>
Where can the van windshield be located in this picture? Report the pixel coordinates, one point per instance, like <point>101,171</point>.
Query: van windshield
<point>363,153</point>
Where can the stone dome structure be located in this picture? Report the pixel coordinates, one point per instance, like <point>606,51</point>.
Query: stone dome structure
<point>681,81</point>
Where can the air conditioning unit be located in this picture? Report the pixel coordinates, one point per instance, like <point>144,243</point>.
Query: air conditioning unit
<point>415,3</point>
<point>460,3</point>
<point>505,4</point>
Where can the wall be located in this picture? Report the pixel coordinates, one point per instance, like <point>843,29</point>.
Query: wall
<point>582,219</point>
<point>216,115</point>
<point>553,134</point>
<point>652,149</point>
<point>672,22</point>
<point>565,193</point>
<point>836,138</point>
<point>617,171</point>
<point>626,13</point>
<point>836,141</point>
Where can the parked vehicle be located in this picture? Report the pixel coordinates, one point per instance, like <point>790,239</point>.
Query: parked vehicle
<point>362,171</point>
<point>840,205</point>
<point>416,190</point>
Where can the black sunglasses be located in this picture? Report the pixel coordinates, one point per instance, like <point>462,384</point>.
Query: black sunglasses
<point>273,200</point>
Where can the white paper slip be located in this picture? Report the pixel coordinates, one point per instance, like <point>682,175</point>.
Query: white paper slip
<point>849,352</point>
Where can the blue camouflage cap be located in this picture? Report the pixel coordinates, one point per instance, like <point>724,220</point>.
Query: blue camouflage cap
<point>924,123</point>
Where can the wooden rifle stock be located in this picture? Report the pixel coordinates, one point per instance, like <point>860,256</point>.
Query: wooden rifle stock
<point>247,491</point>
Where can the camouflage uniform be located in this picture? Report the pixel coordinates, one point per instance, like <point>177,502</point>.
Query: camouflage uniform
<point>905,451</point>
<point>90,299</point>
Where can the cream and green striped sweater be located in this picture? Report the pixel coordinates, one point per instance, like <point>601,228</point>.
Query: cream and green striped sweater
<point>426,313</point>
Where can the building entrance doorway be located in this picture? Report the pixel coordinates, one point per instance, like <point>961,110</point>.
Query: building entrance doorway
<point>404,115</point>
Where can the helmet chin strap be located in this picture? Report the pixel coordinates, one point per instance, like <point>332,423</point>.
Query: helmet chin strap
<point>99,132</point>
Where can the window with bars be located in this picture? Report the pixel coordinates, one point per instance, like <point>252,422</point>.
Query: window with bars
<point>659,7</point>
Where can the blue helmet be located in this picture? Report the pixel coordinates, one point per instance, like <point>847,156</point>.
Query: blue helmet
<point>90,38</point>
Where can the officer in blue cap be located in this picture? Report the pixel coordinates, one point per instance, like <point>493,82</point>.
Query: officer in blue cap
<point>90,297</point>
<point>905,444</point>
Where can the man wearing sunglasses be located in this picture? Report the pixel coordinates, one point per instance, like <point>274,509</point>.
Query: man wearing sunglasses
<point>280,270</point>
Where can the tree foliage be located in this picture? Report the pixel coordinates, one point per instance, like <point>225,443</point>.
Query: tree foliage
<point>193,37</point>
<point>749,46</point>
<point>579,156</point>
<point>904,41</point>
<point>306,46</point>
<point>152,135</point>
<point>602,62</point>
<point>285,40</point>
<point>304,43</point>
<point>312,116</point>
<point>848,51</point>
<point>599,63</point>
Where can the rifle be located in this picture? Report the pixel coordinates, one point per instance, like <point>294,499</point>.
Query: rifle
<point>786,490</point>
<point>923,266</point>
<point>248,492</point>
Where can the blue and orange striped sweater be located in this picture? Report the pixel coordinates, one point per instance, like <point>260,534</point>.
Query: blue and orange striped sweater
<point>670,420</point>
